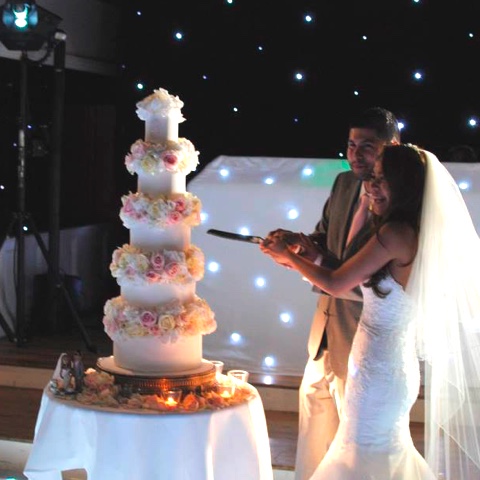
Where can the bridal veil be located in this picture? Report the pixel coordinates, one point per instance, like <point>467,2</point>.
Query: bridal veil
<point>445,284</point>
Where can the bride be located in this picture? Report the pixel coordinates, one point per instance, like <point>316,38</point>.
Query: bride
<point>418,274</point>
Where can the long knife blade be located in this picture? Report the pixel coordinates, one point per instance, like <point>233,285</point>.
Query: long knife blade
<point>235,236</point>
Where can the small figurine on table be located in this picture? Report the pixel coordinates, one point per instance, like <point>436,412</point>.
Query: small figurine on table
<point>61,382</point>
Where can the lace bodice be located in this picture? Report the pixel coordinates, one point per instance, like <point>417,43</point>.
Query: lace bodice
<point>386,327</point>
<point>383,371</point>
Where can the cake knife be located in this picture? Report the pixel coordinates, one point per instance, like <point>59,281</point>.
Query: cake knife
<point>235,236</point>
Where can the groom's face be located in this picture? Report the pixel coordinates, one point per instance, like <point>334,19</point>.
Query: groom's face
<point>363,149</point>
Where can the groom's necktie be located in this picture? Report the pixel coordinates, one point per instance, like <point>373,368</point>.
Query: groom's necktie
<point>360,217</point>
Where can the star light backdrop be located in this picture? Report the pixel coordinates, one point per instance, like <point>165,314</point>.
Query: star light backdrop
<point>260,79</point>
<point>263,77</point>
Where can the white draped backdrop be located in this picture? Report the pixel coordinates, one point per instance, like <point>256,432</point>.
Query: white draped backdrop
<point>263,311</point>
<point>264,328</point>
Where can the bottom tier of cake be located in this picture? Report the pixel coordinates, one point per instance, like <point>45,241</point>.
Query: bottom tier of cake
<point>145,355</point>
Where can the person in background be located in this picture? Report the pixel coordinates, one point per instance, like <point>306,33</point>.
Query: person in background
<point>335,321</point>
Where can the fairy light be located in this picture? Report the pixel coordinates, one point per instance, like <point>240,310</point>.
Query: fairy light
<point>293,214</point>
<point>213,267</point>
<point>418,76</point>
<point>269,361</point>
<point>286,317</point>
<point>236,338</point>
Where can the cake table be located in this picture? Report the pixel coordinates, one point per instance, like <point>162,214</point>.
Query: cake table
<point>227,444</point>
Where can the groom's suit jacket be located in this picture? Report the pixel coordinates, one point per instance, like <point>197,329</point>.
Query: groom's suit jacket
<point>336,319</point>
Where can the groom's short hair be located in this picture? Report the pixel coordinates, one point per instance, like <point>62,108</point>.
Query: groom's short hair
<point>381,120</point>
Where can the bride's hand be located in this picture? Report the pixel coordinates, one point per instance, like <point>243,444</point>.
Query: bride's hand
<point>277,249</point>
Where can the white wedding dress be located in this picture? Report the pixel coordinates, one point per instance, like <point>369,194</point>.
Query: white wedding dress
<point>373,441</point>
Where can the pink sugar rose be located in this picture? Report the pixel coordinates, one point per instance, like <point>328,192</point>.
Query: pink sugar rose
<point>148,319</point>
<point>174,217</point>
<point>158,262</point>
<point>152,275</point>
<point>128,159</point>
<point>170,160</point>
<point>180,204</point>
<point>138,149</point>
<point>111,326</point>
<point>128,206</point>
<point>172,269</point>
<point>130,271</point>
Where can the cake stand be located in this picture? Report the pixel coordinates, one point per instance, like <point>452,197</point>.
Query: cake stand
<point>200,379</point>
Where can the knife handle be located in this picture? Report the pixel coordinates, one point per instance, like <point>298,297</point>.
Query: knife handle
<point>256,240</point>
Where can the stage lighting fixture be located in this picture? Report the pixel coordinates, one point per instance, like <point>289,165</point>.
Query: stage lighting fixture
<point>26,26</point>
<point>20,15</point>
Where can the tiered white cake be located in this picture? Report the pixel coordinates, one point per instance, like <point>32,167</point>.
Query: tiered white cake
<point>157,322</point>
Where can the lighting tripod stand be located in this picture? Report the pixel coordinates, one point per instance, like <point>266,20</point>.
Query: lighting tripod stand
<point>21,220</point>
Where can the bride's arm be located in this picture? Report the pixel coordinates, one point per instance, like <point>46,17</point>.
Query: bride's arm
<point>392,242</point>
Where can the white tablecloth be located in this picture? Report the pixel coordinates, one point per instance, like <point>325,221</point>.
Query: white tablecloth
<point>228,444</point>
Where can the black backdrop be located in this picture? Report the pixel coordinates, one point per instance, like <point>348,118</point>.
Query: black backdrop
<point>218,66</point>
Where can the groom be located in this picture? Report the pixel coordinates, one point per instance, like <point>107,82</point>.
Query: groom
<point>337,236</point>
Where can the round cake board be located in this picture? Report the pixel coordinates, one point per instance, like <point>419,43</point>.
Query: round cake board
<point>204,376</point>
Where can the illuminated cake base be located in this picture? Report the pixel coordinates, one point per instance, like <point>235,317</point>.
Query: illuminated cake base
<point>201,378</point>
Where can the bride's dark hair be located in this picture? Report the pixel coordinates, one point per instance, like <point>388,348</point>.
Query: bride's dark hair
<point>404,171</point>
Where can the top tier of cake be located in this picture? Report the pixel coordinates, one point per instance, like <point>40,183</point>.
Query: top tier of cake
<point>162,151</point>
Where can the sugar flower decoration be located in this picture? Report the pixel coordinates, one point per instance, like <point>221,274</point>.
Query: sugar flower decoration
<point>133,265</point>
<point>160,103</point>
<point>160,212</point>
<point>152,158</point>
<point>167,322</point>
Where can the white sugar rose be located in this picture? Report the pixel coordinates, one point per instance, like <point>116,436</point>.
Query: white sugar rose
<point>160,103</point>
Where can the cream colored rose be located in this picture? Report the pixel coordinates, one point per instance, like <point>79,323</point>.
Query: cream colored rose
<point>167,323</point>
<point>148,164</point>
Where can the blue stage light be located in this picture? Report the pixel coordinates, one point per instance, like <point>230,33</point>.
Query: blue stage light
<point>26,26</point>
<point>20,15</point>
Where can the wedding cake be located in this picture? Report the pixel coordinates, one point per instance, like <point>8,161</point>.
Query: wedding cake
<point>158,321</point>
